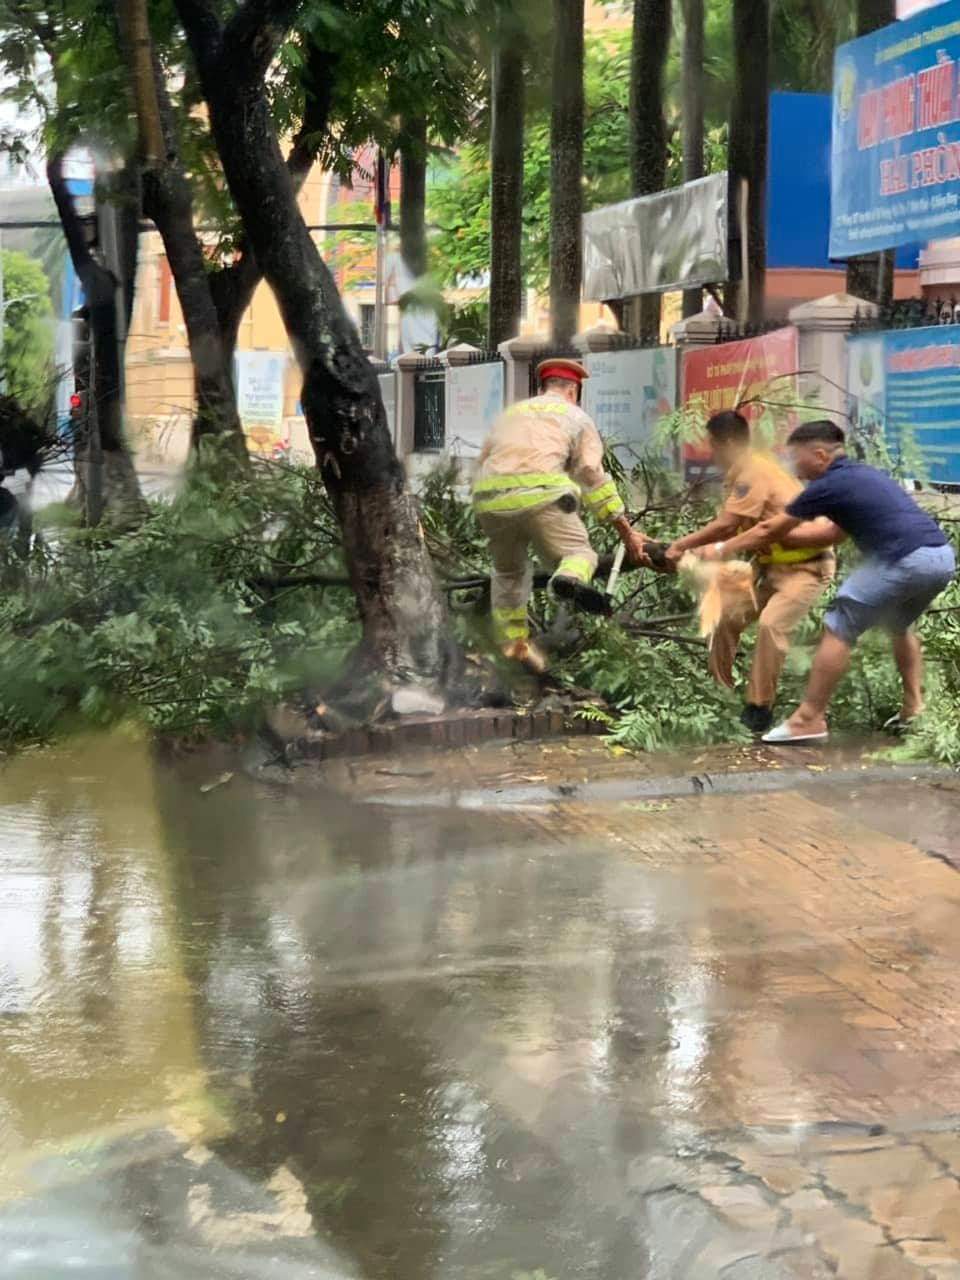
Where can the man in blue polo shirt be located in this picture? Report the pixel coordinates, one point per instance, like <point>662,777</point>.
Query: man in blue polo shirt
<point>907,562</point>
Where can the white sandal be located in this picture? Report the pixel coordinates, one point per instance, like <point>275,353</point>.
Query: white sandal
<point>782,734</point>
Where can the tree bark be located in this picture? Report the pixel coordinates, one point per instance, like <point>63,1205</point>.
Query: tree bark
<point>693,96</point>
<point>507,107</point>
<point>566,169</point>
<point>134,27</point>
<point>413,195</point>
<point>233,287</point>
<point>749,130</point>
<point>168,201</point>
<point>405,625</point>
<point>109,484</point>
<point>648,129</point>
<point>870,275</point>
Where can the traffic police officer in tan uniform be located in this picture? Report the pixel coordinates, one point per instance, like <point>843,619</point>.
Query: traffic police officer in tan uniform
<point>542,457</point>
<point>789,580</point>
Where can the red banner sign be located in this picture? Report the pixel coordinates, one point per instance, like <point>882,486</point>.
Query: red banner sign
<point>756,376</point>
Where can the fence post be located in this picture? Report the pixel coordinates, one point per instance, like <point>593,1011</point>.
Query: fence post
<point>599,337</point>
<point>459,355</point>
<point>703,330</point>
<point>406,367</point>
<point>517,354</point>
<point>823,326</point>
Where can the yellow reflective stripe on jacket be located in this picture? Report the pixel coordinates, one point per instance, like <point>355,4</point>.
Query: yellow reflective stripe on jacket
<point>781,555</point>
<point>541,480</point>
<point>578,567</point>
<point>614,507</point>
<point>604,502</point>
<point>511,624</point>
<point>540,404</point>
<point>517,501</point>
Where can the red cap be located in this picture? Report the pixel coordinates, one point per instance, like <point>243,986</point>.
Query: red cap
<point>573,370</point>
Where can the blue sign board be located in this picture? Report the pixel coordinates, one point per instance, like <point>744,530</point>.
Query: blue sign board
<point>798,184</point>
<point>895,153</point>
<point>907,382</point>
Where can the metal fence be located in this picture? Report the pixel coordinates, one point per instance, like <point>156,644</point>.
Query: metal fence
<point>429,407</point>
<point>484,357</point>
<point>910,313</point>
<point>733,331</point>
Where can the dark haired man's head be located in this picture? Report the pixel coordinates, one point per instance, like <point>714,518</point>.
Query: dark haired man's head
<point>729,436</point>
<point>814,446</point>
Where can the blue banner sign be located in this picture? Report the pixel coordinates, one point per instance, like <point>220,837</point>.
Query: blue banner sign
<point>895,155</point>
<point>906,383</point>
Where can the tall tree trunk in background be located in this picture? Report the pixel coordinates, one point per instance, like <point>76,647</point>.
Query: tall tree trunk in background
<point>870,275</point>
<point>566,169</point>
<point>405,624</point>
<point>413,195</point>
<point>168,200</point>
<point>108,481</point>
<point>648,129</point>
<point>507,108</point>
<point>749,131</point>
<point>693,159</point>
<point>233,286</point>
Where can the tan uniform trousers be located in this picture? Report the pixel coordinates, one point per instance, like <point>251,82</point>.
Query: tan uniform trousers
<point>784,594</point>
<point>562,544</point>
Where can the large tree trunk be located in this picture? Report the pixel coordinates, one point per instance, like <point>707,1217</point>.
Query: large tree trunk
<point>648,129</point>
<point>507,107</point>
<point>749,130</point>
<point>108,481</point>
<point>168,200</point>
<point>413,195</point>
<point>693,95</point>
<point>566,169</point>
<point>233,286</point>
<point>870,275</point>
<point>404,619</point>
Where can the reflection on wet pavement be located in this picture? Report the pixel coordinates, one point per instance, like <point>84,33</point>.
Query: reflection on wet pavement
<point>261,1030</point>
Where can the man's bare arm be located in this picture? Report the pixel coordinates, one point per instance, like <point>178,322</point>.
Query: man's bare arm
<point>813,533</point>
<point>724,526</point>
<point>761,535</point>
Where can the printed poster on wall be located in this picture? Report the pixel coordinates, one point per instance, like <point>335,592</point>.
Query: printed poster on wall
<point>754,375</point>
<point>907,384</point>
<point>627,394</point>
<point>474,399</point>
<point>895,153</point>
<point>260,385</point>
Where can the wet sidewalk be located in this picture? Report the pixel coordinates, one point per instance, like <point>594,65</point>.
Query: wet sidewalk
<point>612,1018</point>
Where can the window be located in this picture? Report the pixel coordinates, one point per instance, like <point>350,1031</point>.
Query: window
<point>368,324</point>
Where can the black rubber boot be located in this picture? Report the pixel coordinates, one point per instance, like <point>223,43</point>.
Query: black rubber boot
<point>756,718</point>
<point>581,595</point>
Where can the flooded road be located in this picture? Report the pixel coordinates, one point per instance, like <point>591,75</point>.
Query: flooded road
<point>253,1030</point>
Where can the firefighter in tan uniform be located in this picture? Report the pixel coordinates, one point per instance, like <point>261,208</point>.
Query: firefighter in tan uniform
<point>789,579</point>
<point>541,457</point>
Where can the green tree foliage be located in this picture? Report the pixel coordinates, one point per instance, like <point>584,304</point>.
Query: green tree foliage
<point>171,624</point>
<point>28,338</point>
<point>459,198</point>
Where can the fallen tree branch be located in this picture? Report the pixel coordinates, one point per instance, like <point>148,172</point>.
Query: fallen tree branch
<point>451,584</point>
<point>653,634</point>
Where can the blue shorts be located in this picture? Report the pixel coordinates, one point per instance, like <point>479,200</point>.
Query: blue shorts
<point>891,596</point>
